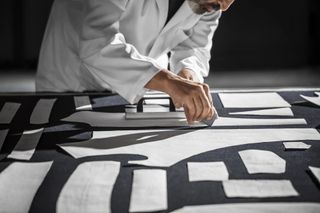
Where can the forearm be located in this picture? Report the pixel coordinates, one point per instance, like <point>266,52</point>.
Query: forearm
<point>162,81</point>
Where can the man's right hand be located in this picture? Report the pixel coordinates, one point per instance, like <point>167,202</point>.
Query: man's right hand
<point>194,97</point>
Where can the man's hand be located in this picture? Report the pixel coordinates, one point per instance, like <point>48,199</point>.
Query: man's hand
<point>188,74</point>
<point>194,97</point>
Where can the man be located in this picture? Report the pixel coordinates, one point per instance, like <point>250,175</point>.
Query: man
<point>123,46</point>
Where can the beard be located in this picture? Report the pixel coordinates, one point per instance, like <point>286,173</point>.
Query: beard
<point>197,8</point>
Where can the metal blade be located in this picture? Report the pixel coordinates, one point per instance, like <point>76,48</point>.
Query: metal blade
<point>211,121</point>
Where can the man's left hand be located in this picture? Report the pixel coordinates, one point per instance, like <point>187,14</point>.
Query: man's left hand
<point>188,74</point>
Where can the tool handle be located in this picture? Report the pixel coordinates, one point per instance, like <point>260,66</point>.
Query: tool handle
<point>141,102</point>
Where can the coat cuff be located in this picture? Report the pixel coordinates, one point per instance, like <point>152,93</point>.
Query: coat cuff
<point>137,91</point>
<point>193,64</point>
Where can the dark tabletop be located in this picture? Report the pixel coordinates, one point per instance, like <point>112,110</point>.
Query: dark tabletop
<point>181,192</point>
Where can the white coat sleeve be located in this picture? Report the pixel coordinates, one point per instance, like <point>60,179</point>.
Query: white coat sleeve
<point>105,54</point>
<point>194,53</point>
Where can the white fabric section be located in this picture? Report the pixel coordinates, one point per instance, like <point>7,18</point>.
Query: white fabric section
<point>89,188</point>
<point>252,100</point>
<point>26,145</point>
<point>253,208</point>
<point>158,101</point>
<point>109,134</point>
<point>8,111</point>
<point>315,172</point>
<point>19,184</point>
<point>3,135</point>
<point>149,191</point>
<point>82,103</point>
<point>259,188</point>
<point>103,119</point>
<point>261,161</point>
<point>296,146</point>
<point>161,149</point>
<point>155,112</point>
<point>42,110</point>
<point>228,121</point>
<point>270,89</point>
<point>314,100</point>
<point>207,171</point>
<point>155,94</point>
<point>268,112</point>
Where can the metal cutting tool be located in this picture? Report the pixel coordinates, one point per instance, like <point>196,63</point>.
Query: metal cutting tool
<point>158,107</point>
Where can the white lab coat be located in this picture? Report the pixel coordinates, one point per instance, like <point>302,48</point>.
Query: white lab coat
<point>119,45</point>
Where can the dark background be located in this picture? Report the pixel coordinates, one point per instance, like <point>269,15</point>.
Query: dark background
<point>253,35</point>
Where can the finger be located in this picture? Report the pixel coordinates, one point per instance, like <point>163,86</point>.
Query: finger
<point>186,74</point>
<point>207,109</point>
<point>189,76</point>
<point>178,105</point>
<point>207,91</point>
<point>211,113</point>
<point>199,108</point>
<point>207,105</point>
<point>204,112</point>
<point>188,114</point>
<point>214,111</point>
